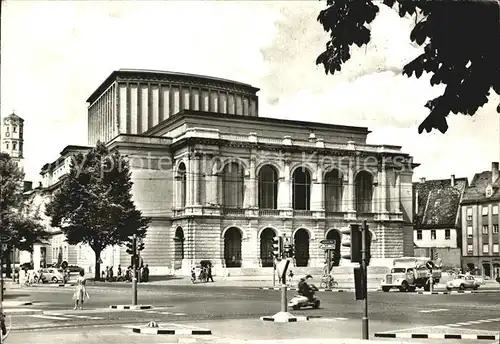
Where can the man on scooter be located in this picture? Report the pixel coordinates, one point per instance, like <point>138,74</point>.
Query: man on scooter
<point>305,289</point>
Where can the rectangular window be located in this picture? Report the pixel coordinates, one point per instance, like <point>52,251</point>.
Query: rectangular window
<point>469,232</point>
<point>485,248</point>
<point>485,229</point>
<point>14,145</point>
<point>14,128</point>
<point>495,248</point>
<point>495,229</point>
<point>447,234</point>
<point>494,210</point>
<point>469,249</point>
<point>419,234</point>
<point>485,211</point>
<point>433,234</point>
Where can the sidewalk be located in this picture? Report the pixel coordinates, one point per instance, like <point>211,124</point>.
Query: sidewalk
<point>287,333</point>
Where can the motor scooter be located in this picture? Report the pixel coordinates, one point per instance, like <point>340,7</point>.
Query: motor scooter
<point>299,301</point>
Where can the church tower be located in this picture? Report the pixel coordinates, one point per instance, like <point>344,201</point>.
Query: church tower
<point>12,138</point>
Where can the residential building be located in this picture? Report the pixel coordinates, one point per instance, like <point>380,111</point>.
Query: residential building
<point>219,182</point>
<point>437,232</point>
<point>480,233</point>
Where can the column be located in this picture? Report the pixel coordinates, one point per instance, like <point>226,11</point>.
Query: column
<point>249,196</point>
<point>284,188</point>
<point>397,193</point>
<point>196,180</point>
<point>383,191</point>
<point>317,191</point>
<point>189,181</point>
<point>177,189</point>
<point>351,189</point>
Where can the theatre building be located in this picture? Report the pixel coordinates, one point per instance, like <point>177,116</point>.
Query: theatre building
<point>219,181</point>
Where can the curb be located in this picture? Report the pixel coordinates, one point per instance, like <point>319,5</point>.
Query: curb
<point>320,289</point>
<point>437,336</point>
<point>293,319</point>
<point>22,311</point>
<point>130,307</point>
<point>48,285</point>
<point>171,331</point>
<point>12,303</point>
<point>444,292</point>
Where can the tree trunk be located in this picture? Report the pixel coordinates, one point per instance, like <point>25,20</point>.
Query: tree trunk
<point>97,275</point>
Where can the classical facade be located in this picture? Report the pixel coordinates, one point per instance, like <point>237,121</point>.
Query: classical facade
<point>480,234</point>
<point>219,182</point>
<point>437,231</point>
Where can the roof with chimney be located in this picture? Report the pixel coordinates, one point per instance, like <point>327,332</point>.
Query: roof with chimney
<point>438,202</point>
<point>484,188</point>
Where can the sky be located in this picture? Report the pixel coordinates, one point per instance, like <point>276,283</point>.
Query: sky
<point>56,53</point>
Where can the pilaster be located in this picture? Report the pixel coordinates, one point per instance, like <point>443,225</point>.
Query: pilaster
<point>189,181</point>
<point>317,192</point>
<point>196,179</point>
<point>284,188</point>
<point>350,194</point>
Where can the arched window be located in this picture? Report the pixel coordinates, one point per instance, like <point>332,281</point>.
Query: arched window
<point>333,191</point>
<point>181,176</point>
<point>364,192</point>
<point>233,185</point>
<point>301,189</point>
<point>268,188</point>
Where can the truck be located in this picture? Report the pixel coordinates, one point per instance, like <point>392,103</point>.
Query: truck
<point>409,273</point>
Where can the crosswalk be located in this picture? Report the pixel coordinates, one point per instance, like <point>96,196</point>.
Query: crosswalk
<point>62,317</point>
<point>473,322</point>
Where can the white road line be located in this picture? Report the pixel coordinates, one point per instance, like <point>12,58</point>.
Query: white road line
<point>83,317</point>
<point>47,317</point>
<point>454,325</point>
<point>463,323</point>
<point>433,310</point>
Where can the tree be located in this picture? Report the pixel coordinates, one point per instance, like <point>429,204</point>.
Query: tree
<point>461,42</point>
<point>94,203</point>
<point>24,230</point>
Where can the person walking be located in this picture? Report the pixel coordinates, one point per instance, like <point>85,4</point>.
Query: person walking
<point>81,291</point>
<point>209,273</point>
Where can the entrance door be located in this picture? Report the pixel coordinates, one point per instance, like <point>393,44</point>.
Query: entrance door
<point>266,247</point>
<point>178,248</point>
<point>232,248</point>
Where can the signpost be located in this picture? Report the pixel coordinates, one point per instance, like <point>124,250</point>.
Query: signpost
<point>430,265</point>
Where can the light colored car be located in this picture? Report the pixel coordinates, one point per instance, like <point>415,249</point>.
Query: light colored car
<point>50,275</point>
<point>463,282</point>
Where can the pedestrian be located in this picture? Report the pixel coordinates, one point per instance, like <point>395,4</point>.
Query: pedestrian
<point>81,291</point>
<point>111,273</point>
<point>145,273</point>
<point>209,273</point>
<point>119,271</point>
<point>290,277</point>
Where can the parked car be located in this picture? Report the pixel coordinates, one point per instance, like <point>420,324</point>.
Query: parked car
<point>50,275</point>
<point>463,282</point>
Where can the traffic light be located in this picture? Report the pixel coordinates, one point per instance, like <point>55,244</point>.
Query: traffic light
<point>354,242</point>
<point>278,246</point>
<point>140,247</point>
<point>368,246</point>
<point>132,247</point>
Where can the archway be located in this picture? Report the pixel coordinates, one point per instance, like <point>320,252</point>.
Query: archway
<point>232,248</point>
<point>268,187</point>
<point>364,192</point>
<point>301,243</point>
<point>301,189</point>
<point>178,248</point>
<point>266,247</point>
<point>334,234</point>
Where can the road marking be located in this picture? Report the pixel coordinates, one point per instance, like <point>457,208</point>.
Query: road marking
<point>47,317</point>
<point>433,310</point>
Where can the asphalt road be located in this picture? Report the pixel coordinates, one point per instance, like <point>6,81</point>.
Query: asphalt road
<point>234,312</point>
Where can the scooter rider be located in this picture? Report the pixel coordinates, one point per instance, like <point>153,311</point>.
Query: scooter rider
<point>305,289</point>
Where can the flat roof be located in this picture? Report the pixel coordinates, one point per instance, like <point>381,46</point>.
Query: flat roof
<point>130,72</point>
<point>277,121</point>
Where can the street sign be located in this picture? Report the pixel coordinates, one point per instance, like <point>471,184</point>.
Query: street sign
<point>429,265</point>
<point>327,247</point>
<point>327,244</point>
<point>99,261</point>
<point>4,247</point>
<point>327,241</point>
<point>5,238</point>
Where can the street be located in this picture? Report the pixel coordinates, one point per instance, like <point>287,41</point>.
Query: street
<point>233,312</point>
